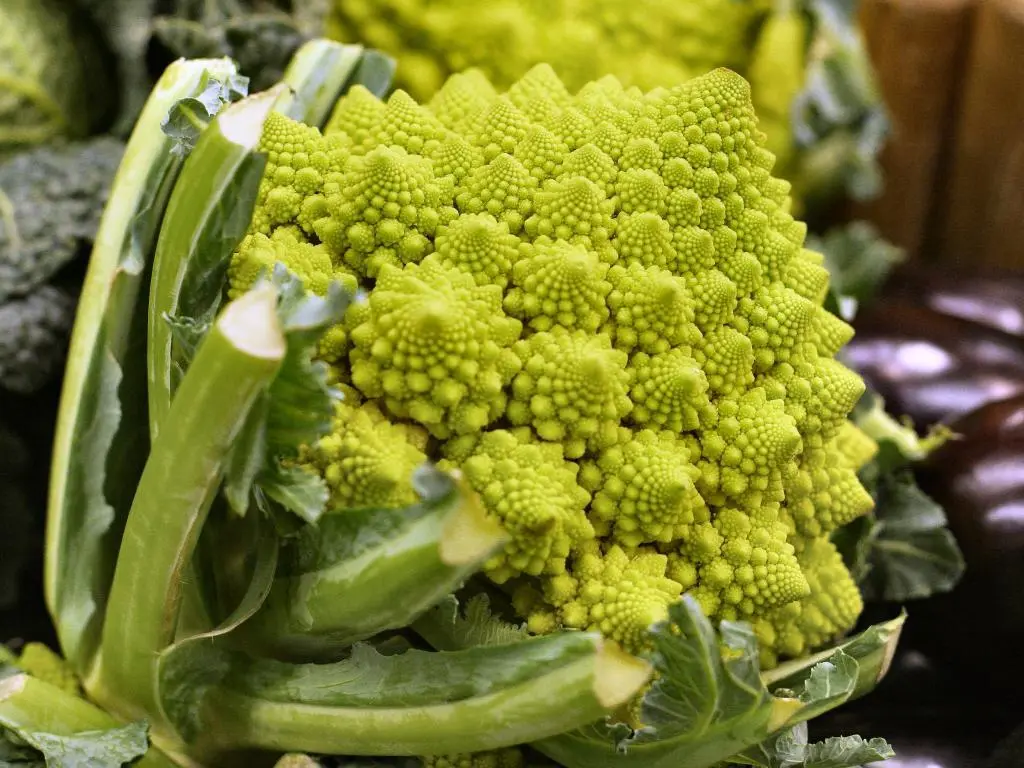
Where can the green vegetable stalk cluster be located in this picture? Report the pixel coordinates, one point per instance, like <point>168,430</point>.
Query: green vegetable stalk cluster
<point>430,431</point>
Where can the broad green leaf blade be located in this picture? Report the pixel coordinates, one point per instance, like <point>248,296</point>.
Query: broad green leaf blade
<point>913,554</point>
<point>706,704</point>
<point>44,722</point>
<point>846,752</point>
<point>829,683</point>
<point>904,550</point>
<point>99,446</point>
<point>710,702</point>
<point>363,571</point>
<point>295,489</point>
<point>233,367</point>
<point>789,749</point>
<point>91,749</point>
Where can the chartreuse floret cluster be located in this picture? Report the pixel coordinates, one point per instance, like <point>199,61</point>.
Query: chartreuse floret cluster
<point>598,308</point>
<point>652,42</point>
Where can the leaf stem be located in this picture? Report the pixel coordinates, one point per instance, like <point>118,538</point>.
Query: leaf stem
<point>233,366</point>
<point>570,697</point>
<point>375,570</point>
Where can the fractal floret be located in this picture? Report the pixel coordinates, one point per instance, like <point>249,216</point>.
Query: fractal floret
<point>598,309</point>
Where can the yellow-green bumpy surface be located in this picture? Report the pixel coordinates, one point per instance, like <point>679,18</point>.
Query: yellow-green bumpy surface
<point>599,308</point>
<point>648,43</point>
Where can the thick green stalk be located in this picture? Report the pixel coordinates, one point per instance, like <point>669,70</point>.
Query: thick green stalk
<point>372,570</point>
<point>233,366</point>
<point>211,207</point>
<point>569,697</point>
<point>101,429</point>
<point>32,705</point>
<point>316,76</point>
<point>207,215</point>
<point>412,678</point>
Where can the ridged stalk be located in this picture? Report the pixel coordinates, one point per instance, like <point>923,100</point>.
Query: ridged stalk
<point>233,366</point>
<point>373,570</point>
<point>211,207</point>
<point>569,697</point>
<point>101,428</point>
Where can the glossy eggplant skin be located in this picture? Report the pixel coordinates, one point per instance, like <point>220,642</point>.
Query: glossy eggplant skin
<point>992,299</point>
<point>931,720</point>
<point>978,629</point>
<point>933,367</point>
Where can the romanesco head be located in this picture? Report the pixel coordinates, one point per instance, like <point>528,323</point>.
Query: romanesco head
<point>366,460</point>
<point>598,308</point>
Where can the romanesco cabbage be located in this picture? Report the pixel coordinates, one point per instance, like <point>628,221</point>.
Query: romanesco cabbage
<point>599,308</point>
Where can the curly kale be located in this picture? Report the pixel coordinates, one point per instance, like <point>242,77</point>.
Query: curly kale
<point>146,35</point>
<point>51,199</point>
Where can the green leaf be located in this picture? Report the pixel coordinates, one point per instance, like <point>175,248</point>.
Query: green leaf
<point>44,725</point>
<point>190,116</point>
<point>707,693</point>
<point>839,118</point>
<point>790,749</point>
<point>101,440</point>
<point>913,554</point>
<point>904,550</point>
<point>710,702</point>
<point>446,628</point>
<point>297,410</point>
<point>858,260</point>
<point>88,749</point>
<point>846,752</point>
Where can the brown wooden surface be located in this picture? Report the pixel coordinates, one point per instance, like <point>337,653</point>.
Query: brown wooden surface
<point>981,218</point>
<point>952,75</point>
<point>918,48</point>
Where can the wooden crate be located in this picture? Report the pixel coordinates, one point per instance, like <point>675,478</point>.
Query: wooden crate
<point>952,74</point>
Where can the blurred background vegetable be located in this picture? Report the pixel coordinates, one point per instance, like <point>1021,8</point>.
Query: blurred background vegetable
<point>949,72</point>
